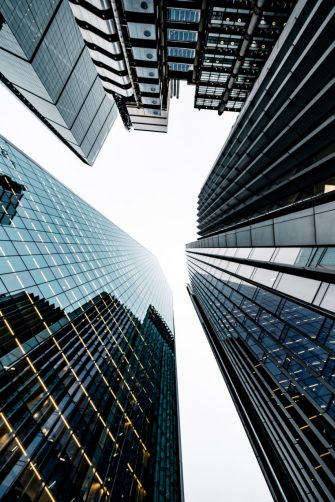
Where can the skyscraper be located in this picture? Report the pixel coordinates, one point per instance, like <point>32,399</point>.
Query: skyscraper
<point>143,49</point>
<point>262,272</point>
<point>88,397</point>
<point>74,62</point>
<point>235,42</point>
<point>126,42</point>
<point>44,62</point>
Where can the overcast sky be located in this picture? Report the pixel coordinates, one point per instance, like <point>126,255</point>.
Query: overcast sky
<point>148,183</point>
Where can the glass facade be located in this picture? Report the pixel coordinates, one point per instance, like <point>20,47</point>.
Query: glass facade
<point>262,271</point>
<point>183,38</point>
<point>279,348</point>
<point>44,61</point>
<point>88,385</point>
<point>184,15</point>
<point>252,174</point>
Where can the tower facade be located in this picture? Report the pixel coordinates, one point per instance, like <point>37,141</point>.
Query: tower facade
<point>262,272</point>
<point>74,63</point>
<point>236,39</point>
<point>88,397</point>
<point>45,63</point>
<point>142,50</point>
<point>126,43</point>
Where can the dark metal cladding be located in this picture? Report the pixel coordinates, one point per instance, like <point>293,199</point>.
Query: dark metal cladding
<point>236,42</point>
<point>123,111</point>
<point>281,148</point>
<point>262,273</point>
<point>265,294</point>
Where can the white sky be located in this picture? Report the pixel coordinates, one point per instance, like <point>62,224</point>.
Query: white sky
<point>148,184</point>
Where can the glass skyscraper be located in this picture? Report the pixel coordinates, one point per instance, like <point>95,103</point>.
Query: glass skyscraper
<point>88,396</point>
<point>262,271</point>
<point>45,63</point>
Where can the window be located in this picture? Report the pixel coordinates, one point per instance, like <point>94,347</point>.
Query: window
<point>10,195</point>
<point>184,15</point>
<point>181,52</point>
<point>182,36</point>
<point>180,66</point>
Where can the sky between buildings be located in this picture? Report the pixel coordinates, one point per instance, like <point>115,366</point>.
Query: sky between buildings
<point>148,183</point>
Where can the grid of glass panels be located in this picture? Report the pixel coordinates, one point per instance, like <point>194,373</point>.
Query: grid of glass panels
<point>234,105</point>
<point>10,195</point>
<point>182,35</point>
<point>315,292</point>
<point>229,17</point>
<point>213,91</point>
<point>291,345</point>
<point>81,399</point>
<point>61,248</point>
<point>180,66</point>
<point>208,76</point>
<point>87,365</point>
<point>58,78</point>
<point>311,257</point>
<point>183,15</point>
<point>224,40</point>
<point>28,22</point>
<point>207,102</point>
<point>181,52</point>
<point>218,61</point>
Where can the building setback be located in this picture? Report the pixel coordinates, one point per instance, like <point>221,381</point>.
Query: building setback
<point>88,395</point>
<point>44,62</point>
<point>262,271</point>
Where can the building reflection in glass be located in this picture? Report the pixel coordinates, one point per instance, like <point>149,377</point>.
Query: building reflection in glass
<point>88,380</point>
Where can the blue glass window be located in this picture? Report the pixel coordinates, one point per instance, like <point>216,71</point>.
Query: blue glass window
<point>180,52</point>
<point>180,66</point>
<point>182,36</point>
<point>184,15</point>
